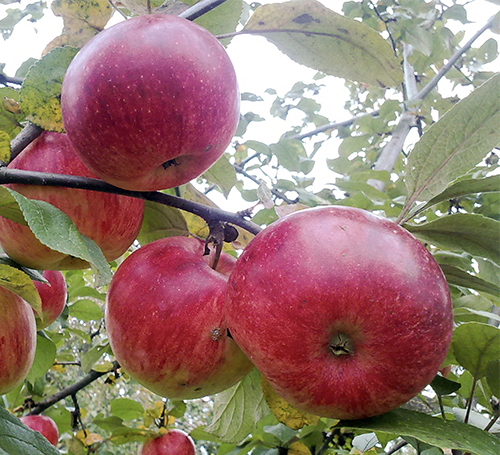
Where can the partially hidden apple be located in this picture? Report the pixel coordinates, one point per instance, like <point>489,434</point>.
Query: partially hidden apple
<point>347,315</point>
<point>17,340</point>
<point>165,320</point>
<point>175,442</point>
<point>53,296</point>
<point>111,221</point>
<point>44,425</point>
<point>150,103</point>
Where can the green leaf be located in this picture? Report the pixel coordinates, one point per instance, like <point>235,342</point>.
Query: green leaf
<point>17,439</point>
<point>92,356</point>
<point>40,97</point>
<point>458,277</point>
<point>475,345</point>
<point>45,355</point>
<point>86,310</point>
<point>457,142</point>
<point>316,36</point>
<point>292,155</point>
<point>223,19</point>
<point>431,430</point>
<point>161,221</point>
<point>493,376</point>
<point>459,232</point>
<point>126,409</point>
<point>237,409</point>
<point>9,208</point>
<point>443,386</point>
<point>20,283</point>
<point>463,188</point>
<point>222,173</point>
<point>10,122</point>
<point>54,228</point>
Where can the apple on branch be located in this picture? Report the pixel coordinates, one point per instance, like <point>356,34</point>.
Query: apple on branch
<point>174,442</point>
<point>150,103</point>
<point>165,320</point>
<point>44,425</point>
<point>111,221</point>
<point>347,315</point>
<point>17,340</point>
<point>53,296</point>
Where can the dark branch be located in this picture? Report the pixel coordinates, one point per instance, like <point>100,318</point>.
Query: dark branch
<point>28,134</point>
<point>71,390</point>
<point>4,80</point>
<point>209,214</point>
<point>200,8</point>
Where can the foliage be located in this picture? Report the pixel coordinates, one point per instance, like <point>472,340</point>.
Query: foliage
<point>444,189</point>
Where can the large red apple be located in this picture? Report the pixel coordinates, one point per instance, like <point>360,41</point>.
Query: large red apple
<point>165,320</point>
<point>17,340</point>
<point>175,442</point>
<point>345,314</point>
<point>111,221</point>
<point>53,296</point>
<point>151,102</point>
<point>44,425</point>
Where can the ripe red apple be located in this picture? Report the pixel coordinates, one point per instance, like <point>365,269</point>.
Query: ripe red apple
<point>44,425</point>
<point>17,340</point>
<point>151,102</point>
<point>111,221</point>
<point>53,296</point>
<point>345,314</point>
<point>175,442</point>
<point>165,320</point>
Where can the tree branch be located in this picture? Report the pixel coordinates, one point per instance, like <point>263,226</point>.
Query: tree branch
<point>209,214</point>
<point>27,135</point>
<point>71,390</point>
<point>200,8</point>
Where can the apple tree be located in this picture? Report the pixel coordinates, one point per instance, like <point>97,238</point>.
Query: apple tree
<point>418,145</point>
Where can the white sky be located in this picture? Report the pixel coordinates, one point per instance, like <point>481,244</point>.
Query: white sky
<point>258,64</point>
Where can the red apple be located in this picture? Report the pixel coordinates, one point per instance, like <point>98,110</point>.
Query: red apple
<point>17,340</point>
<point>53,295</point>
<point>44,425</point>
<point>345,314</point>
<point>151,102</point>
<point>111,221</point>
<point>165,321</point>
<point>175,442</point>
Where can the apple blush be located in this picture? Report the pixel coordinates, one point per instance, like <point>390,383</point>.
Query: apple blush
<point>150,103</point>
<point>347,315</point>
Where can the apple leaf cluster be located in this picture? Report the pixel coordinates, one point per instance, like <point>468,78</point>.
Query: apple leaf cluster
<point>419,146</point>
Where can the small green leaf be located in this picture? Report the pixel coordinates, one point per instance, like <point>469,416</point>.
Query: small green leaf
<point>9,208</point>
<point>237,409</point>
<point>431,430</point>
<point>126,409</point>
<point>222,174</point>
<point>20,283</point>
<point>316,36</point>
<point>456,143</point>
<point>17,439</point>
<point>475,345</point>
<point>291,154</point>
<point>86,310</point>
<point>92,356</point>
<point>40,97</point>
<point>161,221</point>
<point>443,386</point>
<point>493,376</point>
<point>459,232</point>
<point>54,228</point>
<point>45,355</point>
<point>459,277</point>
<point>223,19</point>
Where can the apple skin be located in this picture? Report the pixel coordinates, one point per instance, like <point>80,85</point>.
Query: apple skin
<point>17,340</point>
<point>44,425</point>
<point>149,90</point>
<point>175,442</point>
<point>326,272</point>
<point>111,221</point>
<point>53,296</point>
<point>165,321</point>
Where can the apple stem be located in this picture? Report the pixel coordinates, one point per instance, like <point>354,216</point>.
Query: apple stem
<point>341,344</point>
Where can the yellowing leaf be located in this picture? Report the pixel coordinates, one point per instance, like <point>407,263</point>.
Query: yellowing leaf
<point>316,36</point>
<point>88,438</point>
<point>285,412</point>
<point>20,283</point>
<point>82,20</point>
<point>4,147</point>
<point>298,448</point>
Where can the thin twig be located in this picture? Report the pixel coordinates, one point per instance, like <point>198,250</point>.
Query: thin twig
<point>27,135</point>
<point>200,8</point>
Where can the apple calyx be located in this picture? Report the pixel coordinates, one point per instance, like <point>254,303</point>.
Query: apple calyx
<point>341,344</point>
